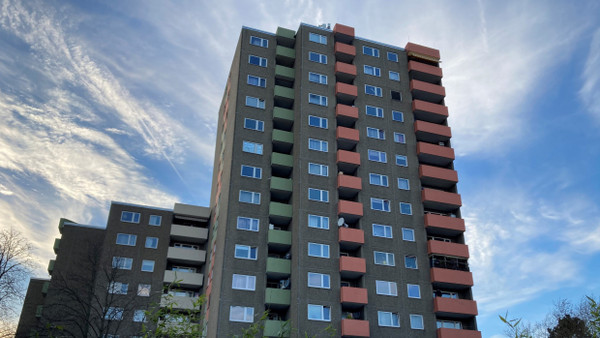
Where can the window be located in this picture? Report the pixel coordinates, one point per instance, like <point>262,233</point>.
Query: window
<point>449,324</point>
<point>318,222</point>
<point>316,57</point>
<point>319,312</point>
<point>318,38</point>
<point>378,179</point>
<point>130,217</point>
<point>257,60</point>
<point>403,184</point>
<point>387,319</point>
<point>255,102</point>
<point>370,70</point>
<point>318,250</point>
<point>247,223</point>
<point>392,56</point>
<point>245,251</point>
<point>147,265</point>
<point>114,313</point>
<point>414,291</point>
<point>377,156</point>
<point>384,258</point>
<point>183,269</point>
<point>257,81</point>
<point>144,290</point>
<point>399,137</point>
<point>241,314</point>
<point>371,51</point>
<point>416,322</point>
<point>151,242</point>
<point>123,263</point>
<point>397,116</point>
<point>318,169</point>
<point>394,76</point>
<point>250,171</point>
<point>318,280</point>
<point>376,133</point>
<point>405,208</point>
<point>252,147</point>
<point>243,282</point>
<point>396,95</point>
<point>315,121</point>
<point>374,111</point>
<point>317,99</point>
<point>380,204</point>
<point>139,316</point>
<point>372,90</point>
<point>381,230</point>
<point>155,220</point>
<point>386,288</point>
<point>118,288</point>
<point>259,41</point>
<point>317,78</point>
<point>249,197</point>
<point>318,195</point>
<point>318,145</point>
<point>408,234</point>
<point>410,262</point>
<point>254,124</point>
<point>401,160</point>
<point>126,239</point>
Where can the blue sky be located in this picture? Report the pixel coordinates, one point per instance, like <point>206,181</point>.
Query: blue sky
<point>118,100</point>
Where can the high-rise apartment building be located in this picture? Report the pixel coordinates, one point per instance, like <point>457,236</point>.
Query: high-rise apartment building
<point>334,201</point>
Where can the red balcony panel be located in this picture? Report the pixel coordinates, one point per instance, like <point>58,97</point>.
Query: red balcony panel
<point>350,235</point>
<point>440,200</point>
<point>455,333</point>
<point>355,328</point>
<point>343,32</point>
<point>432,132</point>
<point>349,157</point>
<point>430,112</point>
<point>342,68</point>
<point>353,265</point>
<point>350,208</point>
<point>353,295</point>
<point>348,134</point>
<point>444,224</point>
<point>447,249</point>
<point>349,182</point>
<point>344,52</point>
<point>422,51</point>
<point>434,154</point>
<point>346,92</point>
<point>420,67</point>
<point>451,277</point>
<point>427,91</point>
<point>437,177</point>
<point>346,112</point>
<point>461,307</point>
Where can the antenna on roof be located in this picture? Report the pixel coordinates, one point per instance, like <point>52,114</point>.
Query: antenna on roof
<point>325,26</point>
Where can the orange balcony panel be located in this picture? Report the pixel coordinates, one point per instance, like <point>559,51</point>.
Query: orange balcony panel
<point>346,92</point>
<point>353,295</point>
<point>345,112</point>
<point>349,182</point>
<point>347,134</point>
<point>432,132</point>
<point>430,112</point>
<point>447,249</point>
<point>350,208</point>
<point>420,67</point>
<point>422,51</point>
<point>350,235</point>
<point>344,52</point>
<point>455,333</point>
<point>464,307</point>
<point>434,154</point>
<point>439,199</point>
<point>437,177</point>
<point>353,265</point>
<point>349,157</point>
<point>427,91</point>
<point>345,68</point>
<point>450,225</point>
<point>340,30</point>
<point>355,328</point>
<point>452,277</point>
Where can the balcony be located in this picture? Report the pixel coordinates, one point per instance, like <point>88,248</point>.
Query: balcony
<point>444,225</point>
<point>56,245</point>
<point>179,302</point>
<point>51,266</point>
<point>427,92</point>
<point>281,164</point>
<point>447,249</point>
<point>278,268</point>
<point>348,161</point>
<point>346,115</point>
<point>455,333</point>
<point>344,52</point>
<point>276,328</point>
<point>283,118</point>
<point>285,73</point>
<point>186,256</point>
<point>189,234</point>
<point>285,37</point>
<point>347,138</point>
<point>183,279</point>
<point>343,33</point>
<point>279,240</point>
<point>345,72</point>
<point>352,267</point>
<point>280,213</point>
<point>285,56</point>
<point>283,141</point>
<point>281,188</point>
<point>355,328</point>
<point>277,298</point>
<point>421,52</point>
<point>432,132</point>
<point>346,93</point>
<point>353,297</point>
<point>437,177</point>
<point>434,154</point>
<point>283,96</point>
<point>348,186</point>
<point>430,112</point>
<point>454,308</point>
<point>424,72</point>
<point>350,238</point>
<point>351,211</point>
<point>45,287</point>
<point>440,200</point>
<point>451,278</point>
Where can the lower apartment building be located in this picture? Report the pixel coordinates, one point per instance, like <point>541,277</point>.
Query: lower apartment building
<point>334,203</point>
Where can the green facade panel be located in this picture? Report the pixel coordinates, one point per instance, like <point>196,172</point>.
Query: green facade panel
<point>285,53</point>
<point>283,114</point>
<point>56,245</point>
<point>285,33</point>
<point>51,266</point>
<point>280,209</point>
<point>281,184</point>
<point>277,297</point>
<point>282,160</point>
<point>276,328</point>
<point>282,136</point>
<point>45,287</point>
<point>283,72</point>
<point>284,92</point>
<point>280,237</point>
<point>279,266</point>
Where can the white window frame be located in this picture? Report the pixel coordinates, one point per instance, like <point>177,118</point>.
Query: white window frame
<point>323,283</point>
<point>248,249</point>
<point>122,263</point>
<point>316,99</point>
<point>406,237</point>
<point>323,195</point>
<point>375,133</point>
<point>252,147</point>
<point>243,282</point>
<point>247,314</point>
<point>323,145</point>
<point>260,125</point>
<point>373,90</point>
<point>261,41</point>
<point>118,288</point>
<point>401,161</point>
<point>399,138</point>
<point>260,81</point>
<point>393,58</point>
<point>255,102</point>
<point>256,171</point>
<point>317,78</point>
<point>130,217</point>
<point>416,322</point>
<point>153,240</point>
<point>144,290</point>
<point>321,222</point>
<point>404,205</point>
<point>318,38</point>
<point>139,316</point>
<point>325,313</point>
<point>253,223</point>
<point>378,112</point>
<point>317,121</point>
<point>387,230</point>
<point>372,70</point>
<point>147,265</point>
<point>377,156</point>
<point>385,204</point>
<point>386,288</point>
<point>155,220</point>
<point>318,169</point>
<point>317,57</point>
<point>404,180</point>
<point>262,62</point>
<point>126,239</point>
<point>254,197</point>
<point>397,116</point>
<point>324,250</point>
<point>394,76</point>
<point>372,51</point>
<point>389,259</point>
<point>406,262</point>
<point>413,287</point>
<point>378,179</point>
<point>394,320</point>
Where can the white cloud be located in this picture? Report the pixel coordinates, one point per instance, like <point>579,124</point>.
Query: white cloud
<point>590,90</point>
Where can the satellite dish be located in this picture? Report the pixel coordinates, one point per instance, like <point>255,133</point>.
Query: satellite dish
<point>341,221</point>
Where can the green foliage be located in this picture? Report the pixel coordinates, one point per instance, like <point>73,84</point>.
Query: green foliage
<point>568,326</point>
<point>515,328</point>
<point>594,320</point>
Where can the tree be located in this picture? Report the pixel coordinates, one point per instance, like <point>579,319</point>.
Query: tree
<point>15,266</point>
<point>569,327</point>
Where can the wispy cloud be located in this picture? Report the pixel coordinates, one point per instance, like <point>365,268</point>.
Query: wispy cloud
<point>590,90</point>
